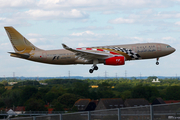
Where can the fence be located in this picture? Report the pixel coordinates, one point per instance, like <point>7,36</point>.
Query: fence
<point>150,112</point>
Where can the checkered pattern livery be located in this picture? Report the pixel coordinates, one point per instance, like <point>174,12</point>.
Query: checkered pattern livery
<point>132,54</point>
<point>129,52</point>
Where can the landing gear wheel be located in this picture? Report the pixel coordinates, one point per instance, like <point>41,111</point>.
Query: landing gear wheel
<point>95,68</point>
<point>91,71</point>
<point>157,63</point>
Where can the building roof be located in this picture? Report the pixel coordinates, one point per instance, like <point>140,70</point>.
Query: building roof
<point>19,108</point>
<point>95,101</point>
<point>172,101</point>
<point>135,102</point>
<point>82,104</point>
<point>158,101</point>
<point>110,103</point>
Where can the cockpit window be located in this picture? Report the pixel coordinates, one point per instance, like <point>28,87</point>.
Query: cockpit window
<point>168,46</point>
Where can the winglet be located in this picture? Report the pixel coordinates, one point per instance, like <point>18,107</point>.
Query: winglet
<point>65,46</point>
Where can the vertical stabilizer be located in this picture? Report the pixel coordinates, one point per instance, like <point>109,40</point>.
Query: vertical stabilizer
<point>19,42</point>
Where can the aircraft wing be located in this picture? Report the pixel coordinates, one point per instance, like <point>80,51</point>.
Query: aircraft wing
<point>87,54</point>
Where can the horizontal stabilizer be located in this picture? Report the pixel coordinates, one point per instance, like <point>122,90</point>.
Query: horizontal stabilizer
<point>25,55</point>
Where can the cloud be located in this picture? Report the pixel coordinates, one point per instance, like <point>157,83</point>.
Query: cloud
<point>95,5</point>
<point>17,3</point>
<point>94,39</point>
<point>36,38</point>
<point>82,44</point>
<point>84,5</point>
<point>2,19</point>
<point>39,14</point>
<point>3,45</point>
<point>148,11</point>
<point>110,12</point>
<point>167,15</point>
<point>177,23</point>
<point>121,21</point>
<point>148,17</point>
<point>169,40</point>
<point>83,33</point>
<point>93,28</point>
<point>13,21</point>
<point>33,35</point>
<point>20,12</point>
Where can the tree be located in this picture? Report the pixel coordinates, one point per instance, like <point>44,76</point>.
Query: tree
<point>147,92</point>
<point>2,104</point>
<point>152,77</point>
<point>12,97</point>
<point>74,109</point>
<point>57,105</point>
<point>50,96</point>
<point>44,89</point>
<point>81,89</point>
<point>104,90</point>
<point>172,93</point>
<point>68,99</point>
<point>42,92</point>
<point>4,82</point>
<point>126,94</point>
<point>93,94</point>
<point>28,82</point>
<point>2,89</point>
<point>121,87</point>
<point>54,93</point>
<point>35,105</point>
<point>27,93</point>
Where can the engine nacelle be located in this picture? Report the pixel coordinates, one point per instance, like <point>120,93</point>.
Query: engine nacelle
<point>120,60</point>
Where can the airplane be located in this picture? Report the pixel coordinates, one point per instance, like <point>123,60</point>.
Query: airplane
<point>115,55</point>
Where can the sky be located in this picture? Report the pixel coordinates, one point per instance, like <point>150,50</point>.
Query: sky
<point>82,23</point>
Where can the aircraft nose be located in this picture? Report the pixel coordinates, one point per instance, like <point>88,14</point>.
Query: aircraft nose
<point>173,50</point>
<point>170,49</point>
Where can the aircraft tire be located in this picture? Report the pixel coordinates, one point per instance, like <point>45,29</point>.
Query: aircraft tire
<point>96,68</point>
<point>157,63</point>
<point>91,71</point>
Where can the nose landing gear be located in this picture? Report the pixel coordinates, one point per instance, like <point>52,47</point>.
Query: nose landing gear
<point>157,63</point>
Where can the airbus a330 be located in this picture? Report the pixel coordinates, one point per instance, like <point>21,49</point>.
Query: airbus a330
<point>115,55</point>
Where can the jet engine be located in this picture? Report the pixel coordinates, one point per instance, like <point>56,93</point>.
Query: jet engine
<point>119,60</point>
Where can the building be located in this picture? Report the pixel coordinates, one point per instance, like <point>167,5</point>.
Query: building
<point>20,108</point>
<point>43,83</point>
<point>172,101</point>
<point>158,101</point>
<point>12,83</point>
<point>85,105</point>
<point>136,102</point>
<point>110,103</point>
<point>156,80</point>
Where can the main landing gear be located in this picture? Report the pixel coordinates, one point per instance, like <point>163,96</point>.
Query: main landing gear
<point>94,67</point>
<point>157,63</point>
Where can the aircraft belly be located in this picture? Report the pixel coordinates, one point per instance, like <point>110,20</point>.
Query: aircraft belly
<point>149,55</point>
<point>59,60</point>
